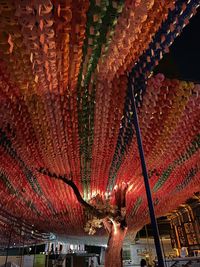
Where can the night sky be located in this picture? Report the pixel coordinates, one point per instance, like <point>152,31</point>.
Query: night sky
<point>183,60</point>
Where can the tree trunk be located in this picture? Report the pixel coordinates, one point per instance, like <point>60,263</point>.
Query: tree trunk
<point>113,255</point>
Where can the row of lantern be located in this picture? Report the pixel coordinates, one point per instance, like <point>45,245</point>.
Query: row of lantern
<point>47,28</point>
<point>153,111</point>
<point>60,196</point>
<point>51,79</point>
<point>89,65</point>
<point>162,40</point>
<point>178,93</point>
<point>176,20</point>
<point>108,113</point>
<point>23,202</point>
<point>50,146</point>
<point>102,18</point>
<point>153,86</point>
<point>101,21</point>
<point>176,169</point>
<point>166,202</point>
<point>42,36</point>
<point>114,56</point>
<point>44,30</point>
<point>33,104</point>
<point>18,191</point>
<point>136,26</point>
<point>41,16</point>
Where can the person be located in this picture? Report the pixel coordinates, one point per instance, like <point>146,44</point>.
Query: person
<point>92,263</point>
<point>143,263</point>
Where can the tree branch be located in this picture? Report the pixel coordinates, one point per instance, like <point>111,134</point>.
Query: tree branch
<point>124,189</point>
<point>69,182</point>
<point>120,197</point>
<point>107,225</point>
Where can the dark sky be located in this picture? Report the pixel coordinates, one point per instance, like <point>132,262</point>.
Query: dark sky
<point>183,60</point>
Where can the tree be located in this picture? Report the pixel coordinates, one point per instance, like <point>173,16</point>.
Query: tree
<point>103,213</point>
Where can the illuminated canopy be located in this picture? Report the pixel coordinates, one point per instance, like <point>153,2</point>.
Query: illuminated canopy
<point>65,106</point>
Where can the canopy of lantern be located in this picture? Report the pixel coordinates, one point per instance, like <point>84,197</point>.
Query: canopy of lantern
<point>66,105</point>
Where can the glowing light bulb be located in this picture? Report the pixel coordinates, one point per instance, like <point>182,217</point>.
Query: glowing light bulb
<point>116,186</point>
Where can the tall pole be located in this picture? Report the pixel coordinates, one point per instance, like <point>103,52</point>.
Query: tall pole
<point>147,236</point>
<point>163,248</point>
<point>146,182</point>
<point>8,247</point>
<point>47,262</point>
<point>34,254</point>
<point>22,254</point>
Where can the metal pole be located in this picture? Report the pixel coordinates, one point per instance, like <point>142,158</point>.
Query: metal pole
<point>163,248</point>
<point>8,247</point>
<point>147,186</point>
<point>34,255</point>
<point>147,237</point>
<point>47,262</point>
<point>22,255</point>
